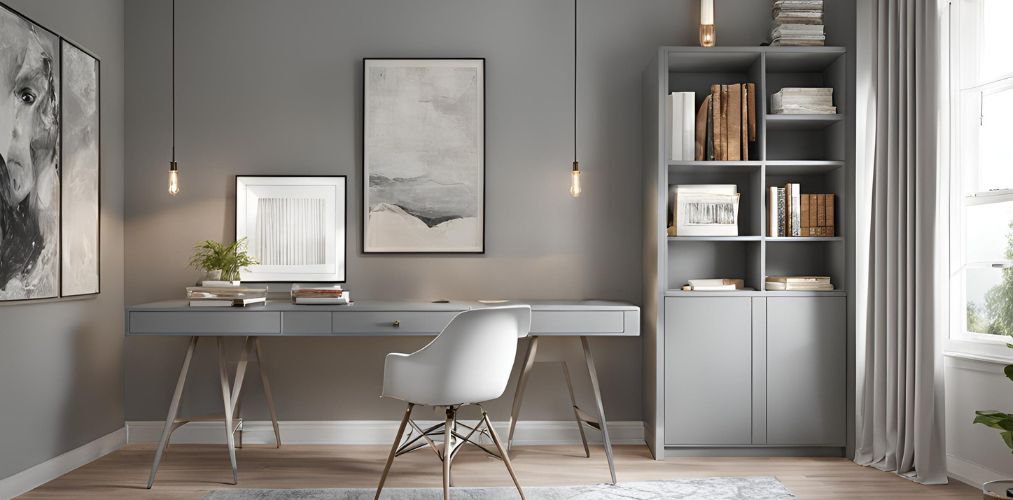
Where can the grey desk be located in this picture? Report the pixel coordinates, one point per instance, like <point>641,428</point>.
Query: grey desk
<point>575,319</point>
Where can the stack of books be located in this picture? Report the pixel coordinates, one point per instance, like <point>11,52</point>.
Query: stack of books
<point>319,294</point>
<point>228,296</point>
<point>680,108</point>
<point>791,213</point>
<point>726,123</point>
<point>799,283</point>
<point>797,22</point>
<point>803,101</point>
<point>714,285</point>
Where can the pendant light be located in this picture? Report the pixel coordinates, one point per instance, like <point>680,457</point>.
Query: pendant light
<point>575,173</point>
<point>173,167</point>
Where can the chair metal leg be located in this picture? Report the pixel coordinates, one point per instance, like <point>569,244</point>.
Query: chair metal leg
<point>522,382</point>
<point>173,410</point>
<point>223,376</point>
<point>503,453</point>
<point>268,396</point>
<point>593,373</point>
<point>393,448</point>
<point>448,439</point>
<point>576,410</point>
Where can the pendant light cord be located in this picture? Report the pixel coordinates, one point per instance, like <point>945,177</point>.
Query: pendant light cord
<point>173,83</point>
<point>575,80</point>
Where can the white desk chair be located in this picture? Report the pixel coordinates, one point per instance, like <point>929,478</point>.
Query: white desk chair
<point>467,364</point>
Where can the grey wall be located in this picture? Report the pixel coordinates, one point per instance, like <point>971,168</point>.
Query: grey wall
<point>61,368</point>
<point>274,87</point>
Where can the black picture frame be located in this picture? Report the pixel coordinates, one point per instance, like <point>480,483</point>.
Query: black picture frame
<point>364,167</point>
<point>343,243</point>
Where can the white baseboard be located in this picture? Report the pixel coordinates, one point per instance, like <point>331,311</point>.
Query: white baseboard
<point>36,476</point>
<point>971,473</point>
<point>372,432</point>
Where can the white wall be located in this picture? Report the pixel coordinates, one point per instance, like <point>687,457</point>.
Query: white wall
<point>976,453</point>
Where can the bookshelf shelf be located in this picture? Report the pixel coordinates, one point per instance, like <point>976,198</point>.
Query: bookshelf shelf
<point>811,150</point>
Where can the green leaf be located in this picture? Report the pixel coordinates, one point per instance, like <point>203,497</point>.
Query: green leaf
<point>1008,371</point>
<point>1007,436</point>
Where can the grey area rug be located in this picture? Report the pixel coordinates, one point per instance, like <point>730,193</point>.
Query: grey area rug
<point>710,488</point>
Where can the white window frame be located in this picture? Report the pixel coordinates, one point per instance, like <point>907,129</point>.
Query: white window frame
<point>960,340</point>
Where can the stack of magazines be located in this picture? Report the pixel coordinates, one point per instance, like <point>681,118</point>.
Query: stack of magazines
<point>799,283</point>
<point>319,294</point>
<point>228,296</point>
<point>803,101</point>
<point>797,22</point>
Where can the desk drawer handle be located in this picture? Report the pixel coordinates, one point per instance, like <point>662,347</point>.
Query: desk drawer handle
<point>397,324</point>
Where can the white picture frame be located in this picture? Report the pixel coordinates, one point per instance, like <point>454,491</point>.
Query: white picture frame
<point>295,226</point>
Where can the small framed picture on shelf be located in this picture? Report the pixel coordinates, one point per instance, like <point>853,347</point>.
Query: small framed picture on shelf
<point>705,209</point>
<point>295,227</point>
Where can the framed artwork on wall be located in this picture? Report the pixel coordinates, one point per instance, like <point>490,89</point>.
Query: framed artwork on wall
<point>29,159</point>
<point>294,226</point>
<point>423,156</point>
<point>79,272</point>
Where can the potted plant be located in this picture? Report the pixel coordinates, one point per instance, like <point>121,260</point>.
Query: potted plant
<point>221,261</point>
<point>1003,422</point>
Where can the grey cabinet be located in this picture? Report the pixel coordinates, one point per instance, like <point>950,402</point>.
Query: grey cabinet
<point>806,371</point>
<point>708,370</point>
<point>755,371</point>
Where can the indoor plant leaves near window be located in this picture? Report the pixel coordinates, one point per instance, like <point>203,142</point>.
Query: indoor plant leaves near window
<point>228,259</point>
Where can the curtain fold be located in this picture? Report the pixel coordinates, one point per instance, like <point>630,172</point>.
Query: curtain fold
<point>900,424</point>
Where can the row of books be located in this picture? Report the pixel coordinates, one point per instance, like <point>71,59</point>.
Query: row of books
<point>225,296</point>
<point>797,23</point>
<point>803,101</point>
<point>319,294</point>
<point>798,283</point>
<point>791,213</point>
<point>726,123</point>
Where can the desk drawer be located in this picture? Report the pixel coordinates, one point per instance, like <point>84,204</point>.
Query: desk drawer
<point>576,322</point>
<point>408,322</point>
<point>205,322</point>
<point>306,322</point>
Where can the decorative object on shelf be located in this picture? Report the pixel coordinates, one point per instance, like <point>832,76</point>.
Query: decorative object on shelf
<point>49,169</point>
<point>707,35</point>
<point>682,125</point>
<point>798,283</point>
<point>797,22</point>
<point>803,101</point>
<point>705,210</point>
<point>319,295</point>
<point>725,123</point>
<point>791,213</point>
<point>79,272</point>
<point>423,156</point>
<point>295,226</point>
<point>575,172</point>
<point>173,166</point>
<point>221,261</point>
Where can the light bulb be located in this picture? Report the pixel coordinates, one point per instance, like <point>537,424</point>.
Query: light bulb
<point>173,179</point>
<point>575,180</point>
<point>707,35</point>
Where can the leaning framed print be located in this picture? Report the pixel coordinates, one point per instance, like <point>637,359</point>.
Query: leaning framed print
<point>294,226</point>
<point>79,262</point>
<point>29,159</point>
<point>423,156</point>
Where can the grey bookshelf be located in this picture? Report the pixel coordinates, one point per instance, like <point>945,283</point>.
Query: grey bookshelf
<point>715,376</point>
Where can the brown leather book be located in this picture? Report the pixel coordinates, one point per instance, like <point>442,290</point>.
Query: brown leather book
<point>805,215</point>
<point>718,115</point>
<point>821,210</point>
<point>735,122</point>
<point>701,130</point>
<point>813,211</point>
<point>725,124</point>
<point>830,214</point>
<point>745,123</point>
<point>751,93</point>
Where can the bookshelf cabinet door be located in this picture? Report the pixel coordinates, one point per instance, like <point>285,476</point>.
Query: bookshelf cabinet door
<point>806,371</point>
<point>708,370</point>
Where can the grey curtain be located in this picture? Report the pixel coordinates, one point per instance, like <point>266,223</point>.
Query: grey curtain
<point>900,424</point>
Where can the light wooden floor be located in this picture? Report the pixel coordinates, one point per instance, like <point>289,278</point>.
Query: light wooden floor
<point>190,471</point>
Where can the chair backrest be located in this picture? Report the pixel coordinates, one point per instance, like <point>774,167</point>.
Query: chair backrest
<point>475,352</point>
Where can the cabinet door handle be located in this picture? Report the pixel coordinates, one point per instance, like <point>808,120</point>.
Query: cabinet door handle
<point>396,324</point>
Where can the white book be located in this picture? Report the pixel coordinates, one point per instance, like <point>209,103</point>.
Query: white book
<point>707,282</point>
<point>796,209</point>
<point>716,288</point>
<point>672,106</point>
<point>772,213</point>
<point>688,126</point>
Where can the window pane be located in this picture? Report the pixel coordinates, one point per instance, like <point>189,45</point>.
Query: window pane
<point>995,57</point>
<point>994,165</point>
<point>990,300</point>
<point>989,235</point>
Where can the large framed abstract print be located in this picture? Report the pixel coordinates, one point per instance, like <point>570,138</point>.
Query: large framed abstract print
<point>80,124</point>
<point>423,156</point>
<point>29,159</point>
<point>294,227</point>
